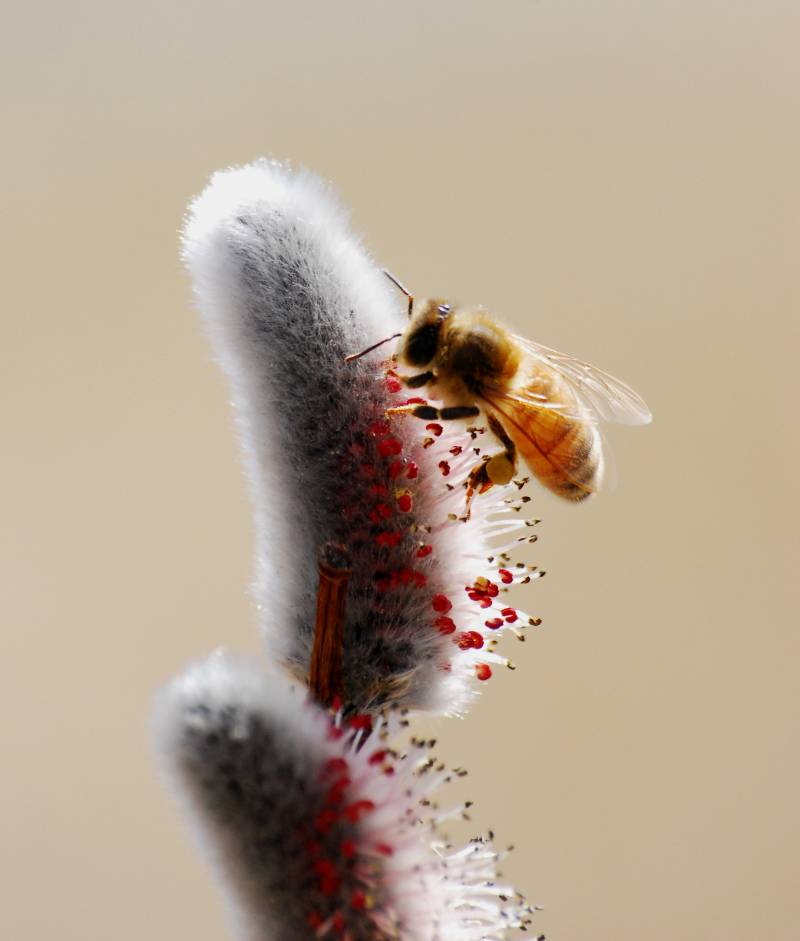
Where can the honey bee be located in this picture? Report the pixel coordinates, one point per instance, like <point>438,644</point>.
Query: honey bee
<point>541,405</point>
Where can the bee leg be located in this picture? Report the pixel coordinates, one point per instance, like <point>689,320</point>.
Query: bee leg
<point>501,467</point>
<point>416,382</point>
<point>478,481</point>
<point>454,412</point>
<point>429,413</point>
<point>495,469</point>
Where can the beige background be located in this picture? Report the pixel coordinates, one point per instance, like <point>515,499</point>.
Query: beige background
<point>619,179</point>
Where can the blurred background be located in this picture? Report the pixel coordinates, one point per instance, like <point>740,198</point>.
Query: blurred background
<point>616,179</point>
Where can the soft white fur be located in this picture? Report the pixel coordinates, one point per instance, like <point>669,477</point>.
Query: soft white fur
<point>248,755</point>
<point>286,291</point>
<point>299,209</point>
<point>202,757</point>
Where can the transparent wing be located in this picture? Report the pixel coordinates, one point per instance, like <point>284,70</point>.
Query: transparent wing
<point>597,394</point>
<point>537,392</point>
<point>535,444</point>
<point>515,417</point>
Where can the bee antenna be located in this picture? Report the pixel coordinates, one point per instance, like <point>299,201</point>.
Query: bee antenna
<point>405,290</point>
<point>369,349</point>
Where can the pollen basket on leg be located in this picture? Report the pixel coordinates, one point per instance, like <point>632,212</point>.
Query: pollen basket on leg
<point>493,541</point>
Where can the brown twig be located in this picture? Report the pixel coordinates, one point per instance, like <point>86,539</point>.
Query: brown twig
<point>325,673</point>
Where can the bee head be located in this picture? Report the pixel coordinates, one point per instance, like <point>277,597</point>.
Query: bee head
<point>420,342</point>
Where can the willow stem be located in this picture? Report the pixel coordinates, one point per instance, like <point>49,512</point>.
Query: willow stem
<point>325,673</point>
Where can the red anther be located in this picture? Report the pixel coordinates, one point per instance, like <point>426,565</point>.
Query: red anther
<point>324,867</point>
<point>475,595</point>
<point>486,602</point>
<point>389,446</point>
<point>434,428</point>
<point>392,385</point>
<point>325,820</point>
<point>348,849</point>
<point>405,502</point>
<point>406,576</point>
<point>338,922</point>
<point>379,489</point>
<point>395,469</point>
<point>355,811</point>
<point>492,590</point>
<point>383,584</point>
<point>379,428</point>
<point>463,640</point>
<point>384,849</point>
<point>374,516</point>
<point>476,639</point>
<point>383,510</point>
<point>420,579</point>
<point>336,791</point>
<point>510,615</point>
<point>505,576</point>
<point>314,920</point>
<point>361,721</point>
<point>415,400</point>
<point>388,539</point>
<point>445,625</point>
<point>367,469</point>
<point>494,623</point>
<point>441,604</point>
<point>335,734</point>
<point>483,671</point>
<point>388,770</point>
<point>455,451</point>
<point>336,705</point>
<point>377,757</point>
<point>334,766</point>
<point>358,900</point>
<point>444,467</point>
<point>412,470</point>
<point>423,551</point>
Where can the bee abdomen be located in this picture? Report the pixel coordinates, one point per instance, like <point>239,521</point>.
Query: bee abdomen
<point>566,456</point>
<point>576,461</point>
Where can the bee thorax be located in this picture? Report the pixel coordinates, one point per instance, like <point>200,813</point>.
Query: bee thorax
<point>479,350</point>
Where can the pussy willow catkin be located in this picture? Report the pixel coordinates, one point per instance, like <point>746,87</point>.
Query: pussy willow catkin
<point>287,292</point>
<point>315,828</point>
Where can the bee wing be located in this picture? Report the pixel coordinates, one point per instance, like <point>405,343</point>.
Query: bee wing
<point>513,412</point>
<point>598,394</point>
<point>529,397</point>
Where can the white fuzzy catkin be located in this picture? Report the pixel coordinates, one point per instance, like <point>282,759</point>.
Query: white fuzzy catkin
<point>317,828</point>
<point>287,292</point>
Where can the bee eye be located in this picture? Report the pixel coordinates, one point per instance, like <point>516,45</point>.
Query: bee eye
<point>420,348</point>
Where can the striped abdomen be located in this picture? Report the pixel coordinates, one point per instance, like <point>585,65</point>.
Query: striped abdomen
<point>564,453</point>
